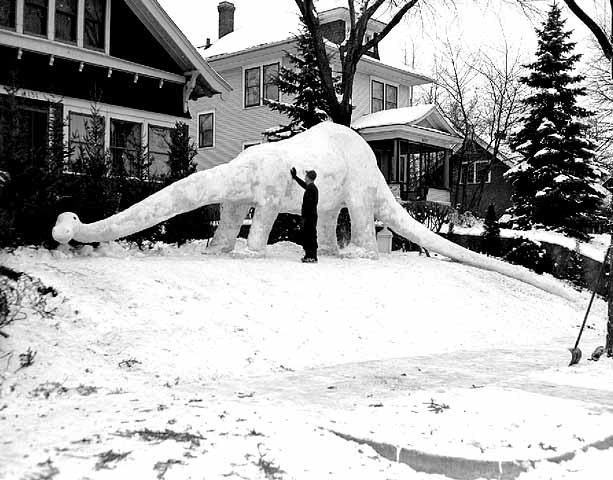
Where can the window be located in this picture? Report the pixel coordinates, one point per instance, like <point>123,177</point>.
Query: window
<point>391,97</point>
<point>476,172</point>
<point>252,87</point>
<point>159,150</point>
<point>206,130</point>
<point>85,137</point>
<point>35,17</point>
<point>66,20</point>
<point>377,97</point>
<point>126,148</point>
<point>93,35</point>
<point>7,13</point>
<point>260,84</point>
<point>271,90</point>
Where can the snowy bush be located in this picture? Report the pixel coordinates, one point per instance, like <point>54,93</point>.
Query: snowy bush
<point>432,214</point>
<point>531,255</point>
<point>19,294</point>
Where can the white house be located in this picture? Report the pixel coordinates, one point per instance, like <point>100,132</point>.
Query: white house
<point>412,143</point>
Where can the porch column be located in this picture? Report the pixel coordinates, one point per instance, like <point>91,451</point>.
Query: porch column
<point>395,161</point>
<point>446,169</point>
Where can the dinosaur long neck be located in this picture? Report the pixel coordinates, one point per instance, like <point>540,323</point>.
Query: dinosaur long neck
<point>199,189</point>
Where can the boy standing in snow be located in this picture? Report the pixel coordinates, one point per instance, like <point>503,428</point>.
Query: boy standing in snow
<point>309,214</point>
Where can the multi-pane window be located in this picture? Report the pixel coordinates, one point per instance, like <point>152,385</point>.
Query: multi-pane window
<point>35,16</point>
<point>86,137</point>
<point>383,96</point>
<point>7,13</point>
<point>261,84</point>
<point>391,97</point>
<point>93,35</point>
<point>159,150</point>
<point>252,87</point>
<point>126,148</point>
<point>66,20</point>
<point>270,74</point>
<point>475,172</point>
<point>377,96</point>
<point>206,130</point>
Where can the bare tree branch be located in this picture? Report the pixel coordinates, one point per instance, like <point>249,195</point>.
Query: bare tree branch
<point>603,39</point>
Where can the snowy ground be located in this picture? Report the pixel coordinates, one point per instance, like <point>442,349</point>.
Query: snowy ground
<point>173,364</point>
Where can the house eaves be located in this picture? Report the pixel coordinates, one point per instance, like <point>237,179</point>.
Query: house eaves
<point>205,80</point>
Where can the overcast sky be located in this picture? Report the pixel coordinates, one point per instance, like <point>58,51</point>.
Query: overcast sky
<point>478,24</point>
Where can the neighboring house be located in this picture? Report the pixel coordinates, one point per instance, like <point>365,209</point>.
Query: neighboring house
<point>412,144</point>
<point>475,157</point>
<point>127,56</point>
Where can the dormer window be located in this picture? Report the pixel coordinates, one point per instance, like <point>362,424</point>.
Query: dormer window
<point>7,13</point>
<point>66,20</point>
<point>35,16</point>
<point>94,24</point>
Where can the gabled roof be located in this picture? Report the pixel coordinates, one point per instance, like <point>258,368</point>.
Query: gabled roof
<point>286,27</point>
<point>155,18</point>
<point>489,148</point>
<point>424,116</point>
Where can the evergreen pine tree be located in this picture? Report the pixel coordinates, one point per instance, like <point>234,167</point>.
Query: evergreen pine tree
<point>491,232</point>
<point>555,183</point>
<point>302,82</point>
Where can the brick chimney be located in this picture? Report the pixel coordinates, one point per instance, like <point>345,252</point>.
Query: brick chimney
<point>226,18</point>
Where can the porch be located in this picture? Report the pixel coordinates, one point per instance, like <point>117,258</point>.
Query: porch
<point>413,146</point>
<point>414,171</point>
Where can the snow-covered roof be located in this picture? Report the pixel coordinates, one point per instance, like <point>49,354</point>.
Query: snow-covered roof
<point>286,27</point>
<point>423,116</point>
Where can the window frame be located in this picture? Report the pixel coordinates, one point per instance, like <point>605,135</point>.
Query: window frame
<point>72,141</point>
<point>472,172</point>
<point>372,95</point>
<point>12,16</point>
<point>386,85</point>
<point>152,152</point>
<point>45,23</point>
<point>103,29</point>
<point>128,169</point>
<point>261,84</point>
<point>75,18</point>
<point>259,87</point>
<point>265,84</point>
<point>213,128</point>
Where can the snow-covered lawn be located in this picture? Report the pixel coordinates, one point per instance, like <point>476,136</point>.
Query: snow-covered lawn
<point>173,364</point>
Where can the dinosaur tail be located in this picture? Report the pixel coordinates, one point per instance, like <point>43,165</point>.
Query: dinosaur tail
<point>396,217</point>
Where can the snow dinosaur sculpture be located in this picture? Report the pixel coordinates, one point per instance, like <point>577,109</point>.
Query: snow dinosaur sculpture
<point>347,176</point>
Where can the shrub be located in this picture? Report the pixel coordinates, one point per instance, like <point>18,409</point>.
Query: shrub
<point>432,214</point>
<point>530,255</point>
<point>491,233</point>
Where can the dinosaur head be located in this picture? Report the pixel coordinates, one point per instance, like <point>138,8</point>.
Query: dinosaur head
<point>65,226</point>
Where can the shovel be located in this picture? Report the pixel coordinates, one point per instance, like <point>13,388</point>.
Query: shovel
<point>575,352</point>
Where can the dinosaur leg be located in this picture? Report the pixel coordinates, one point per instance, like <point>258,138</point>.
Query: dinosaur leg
<point>361,211</point>
<point>263,220</point>
<point>230,221</point>
<point>326,232</point>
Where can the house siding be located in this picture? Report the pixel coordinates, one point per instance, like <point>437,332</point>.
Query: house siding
<point>498,192</point>
<point>234,125</point>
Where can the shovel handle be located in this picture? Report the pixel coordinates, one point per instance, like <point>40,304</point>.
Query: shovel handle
<point>600,277</point>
